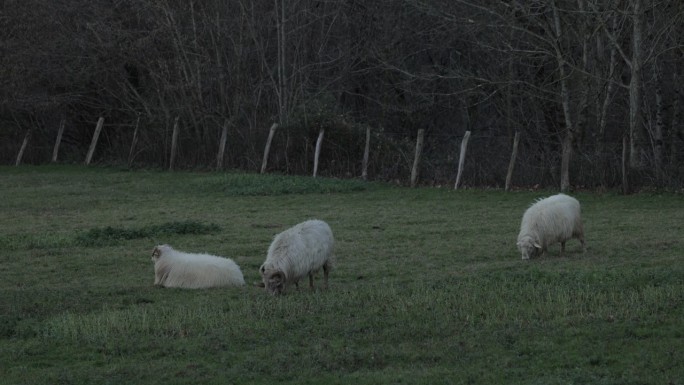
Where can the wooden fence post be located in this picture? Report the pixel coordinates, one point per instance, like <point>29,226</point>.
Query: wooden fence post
<point>93,143</point>
<point>174,143</point>
<point>416,159</point>
<point>58,141</point>
<point>271,132</point>
<point>222,145</point>
<point>319,141</point>
<point>511,164</point>
<point>134,142</point>
<point>23,147</point>
<point>366,153</point>
<point>461,158</point>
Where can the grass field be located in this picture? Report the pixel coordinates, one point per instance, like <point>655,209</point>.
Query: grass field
<point>428,288</point>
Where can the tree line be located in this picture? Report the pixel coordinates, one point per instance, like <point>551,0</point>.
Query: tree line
<point>590,88</point>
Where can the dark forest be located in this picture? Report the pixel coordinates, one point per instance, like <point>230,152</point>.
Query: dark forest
<point>592,89</point>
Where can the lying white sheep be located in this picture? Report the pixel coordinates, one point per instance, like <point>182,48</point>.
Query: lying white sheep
<point>297,252</point>
<point>193,271</point>
<point>550,220</point>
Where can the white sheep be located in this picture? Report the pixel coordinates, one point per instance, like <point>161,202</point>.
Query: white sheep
<point>550,220</point>
<point>297,252</point>
<point>193,271</point>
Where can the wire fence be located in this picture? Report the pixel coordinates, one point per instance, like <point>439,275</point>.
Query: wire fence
<point>594,164</point>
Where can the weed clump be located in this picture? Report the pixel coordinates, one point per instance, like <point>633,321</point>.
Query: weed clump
<point>109,234</point>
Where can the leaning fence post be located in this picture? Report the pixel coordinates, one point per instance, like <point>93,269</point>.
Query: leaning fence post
<point>174,143</point>
<point>461,158</point>
<point>319,141</point>
<point>55,151</point>
<point>93,143</point>
<point>416,160</point>
<point>23,147</point>
<point>271,132</point>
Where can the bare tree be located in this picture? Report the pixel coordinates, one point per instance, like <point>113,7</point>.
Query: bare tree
<point>498,68</point>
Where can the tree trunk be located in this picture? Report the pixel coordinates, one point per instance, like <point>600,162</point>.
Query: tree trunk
<point>625,164</point>
<point>659,125</point>
<point>366,153</point>
<point>636,131</point>
<point>511,164</point>
<point>586,83</point>
<point>416,159</point>
<point>461,159</point>
<point>603,115</point>
<point>565,100</point>
<point>509,103</point>
<point>281,72</point>
<point>565,163</point>
<point>676,132</point>
<point>222,145</point>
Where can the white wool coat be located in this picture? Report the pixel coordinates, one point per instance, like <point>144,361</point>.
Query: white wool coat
<point>299,251</point>
<point>550,220</point>
<point>174,268</point>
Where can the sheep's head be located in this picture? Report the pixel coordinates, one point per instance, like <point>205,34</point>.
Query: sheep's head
<point>157,252</point>
<point>273,280</point>
<point>528,246</point>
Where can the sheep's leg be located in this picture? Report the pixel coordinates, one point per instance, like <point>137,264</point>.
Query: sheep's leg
<point>311,286</point>
<point>326,269</point>
<point>160,279</point>
<point>562,253</point>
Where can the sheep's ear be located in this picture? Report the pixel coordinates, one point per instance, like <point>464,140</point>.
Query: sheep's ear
<point>155,251</point>
<point>276,277</point>
<point>537,245</point>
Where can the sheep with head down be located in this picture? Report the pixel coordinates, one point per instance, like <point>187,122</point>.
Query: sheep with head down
<point>174,268</point>
<point>550,220</point>
<point>297,252</point>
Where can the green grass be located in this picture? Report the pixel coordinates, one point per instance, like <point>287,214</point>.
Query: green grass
<point>428,287</point>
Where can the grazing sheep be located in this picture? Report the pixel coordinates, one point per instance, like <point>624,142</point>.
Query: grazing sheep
<point>297,252</point>
<point>193,271</point>
<point>550,220</point>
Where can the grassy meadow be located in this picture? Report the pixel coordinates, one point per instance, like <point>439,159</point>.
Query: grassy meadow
<point>428,288</point>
